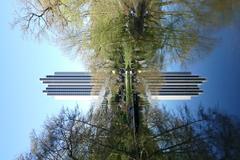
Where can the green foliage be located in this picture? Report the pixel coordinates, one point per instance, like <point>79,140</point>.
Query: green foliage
<point>153,30</point>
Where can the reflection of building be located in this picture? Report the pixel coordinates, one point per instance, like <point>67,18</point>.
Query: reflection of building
<point>164,86</point>
<point>72,85</point>
<point>173,85</point>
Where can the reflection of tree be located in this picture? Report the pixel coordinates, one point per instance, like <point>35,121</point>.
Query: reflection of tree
<point>105,134</point>
<point>106,30</point>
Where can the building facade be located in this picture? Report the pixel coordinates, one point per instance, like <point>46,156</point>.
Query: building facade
<point>159,86</point>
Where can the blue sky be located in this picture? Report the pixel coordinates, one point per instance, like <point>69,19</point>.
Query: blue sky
<point>222,70</point>
<point>23,107</point>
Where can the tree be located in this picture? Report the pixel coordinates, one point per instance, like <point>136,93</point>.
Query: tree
<point>106,30</point>
<point>104,134</point>
<point>65,136</point>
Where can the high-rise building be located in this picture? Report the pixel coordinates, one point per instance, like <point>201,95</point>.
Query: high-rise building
<point>159,86</point>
